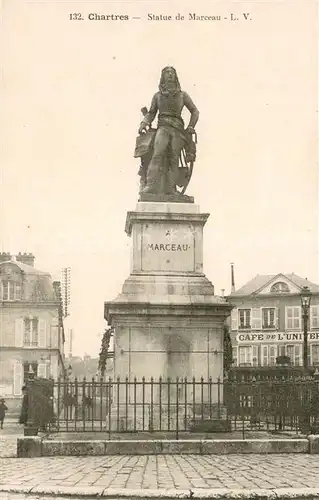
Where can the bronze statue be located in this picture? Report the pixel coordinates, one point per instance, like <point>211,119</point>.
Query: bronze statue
<point>168,152</point>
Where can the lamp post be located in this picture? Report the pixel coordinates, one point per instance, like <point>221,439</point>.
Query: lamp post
<point>305,297</point>
<point>30,428</point>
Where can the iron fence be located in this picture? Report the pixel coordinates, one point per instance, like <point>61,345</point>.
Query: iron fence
<point>180,406</point>
<point>175,406</point>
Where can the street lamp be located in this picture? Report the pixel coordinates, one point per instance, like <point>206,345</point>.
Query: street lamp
<point>305,297</point>
<point>31,373</point>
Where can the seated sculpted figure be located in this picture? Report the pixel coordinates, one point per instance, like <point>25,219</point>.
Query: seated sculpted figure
<point>170,146</point>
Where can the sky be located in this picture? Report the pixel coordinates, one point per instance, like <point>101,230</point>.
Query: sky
<point>72,93</point>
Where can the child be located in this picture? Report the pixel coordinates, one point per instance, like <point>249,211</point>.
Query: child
<point>3,409</point>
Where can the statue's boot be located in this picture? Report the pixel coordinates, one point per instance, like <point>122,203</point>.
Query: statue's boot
<point>148,189</point>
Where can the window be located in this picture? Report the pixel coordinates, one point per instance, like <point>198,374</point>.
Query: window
<point>314,316</point>
<point>315,354</point>
<point>244,318</point>
<point>31,331</point>
<point>248,355</point>
<point>245,355</point>
<point>10,290</point>
<point>293,317</point>
<point>269,317</point>
<point>294,353</point>
<point>269,354</point>
<point>281,350</point>
<point>280,287</point>
<point>26,368</point>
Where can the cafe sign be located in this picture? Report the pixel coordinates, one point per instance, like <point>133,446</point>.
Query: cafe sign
<point>275,337</point>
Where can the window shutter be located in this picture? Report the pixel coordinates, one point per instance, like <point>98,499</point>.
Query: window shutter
<point>255,355</point>
<point>17,378</point>
<point>297,313</point>
<point>19,332</point>
<point>256,318</point>
<point>314,316</point>
<point>42,370</point>
<point>42,333</point>
<point>54,337</point>
<point>288,322</point>
<point>277,323</point>
<point>264,357</point>
<point>234,319</point>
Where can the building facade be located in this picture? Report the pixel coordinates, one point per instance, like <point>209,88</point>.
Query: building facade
<point>31,325</point>
<point>267,322</point>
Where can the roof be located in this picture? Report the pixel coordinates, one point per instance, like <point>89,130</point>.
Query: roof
<point>40,286</point>
<point>262,280</point>
<point>25,268</point>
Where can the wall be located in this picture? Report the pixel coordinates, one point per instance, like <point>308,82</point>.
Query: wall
<point>11,324</point>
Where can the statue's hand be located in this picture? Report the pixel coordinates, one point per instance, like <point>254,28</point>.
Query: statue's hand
<point>190,130</point>
<point>142,128</point>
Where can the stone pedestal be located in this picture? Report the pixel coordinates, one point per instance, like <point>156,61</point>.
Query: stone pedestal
<point>168,322</point>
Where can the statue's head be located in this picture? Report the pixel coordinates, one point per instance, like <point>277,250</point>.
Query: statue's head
<point>169,80</point>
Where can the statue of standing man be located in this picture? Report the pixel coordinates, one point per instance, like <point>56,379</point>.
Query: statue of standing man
<point>168,152</point>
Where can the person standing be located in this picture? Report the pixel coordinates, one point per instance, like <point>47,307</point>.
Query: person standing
<point>24,409</point>
<point>3,409</point>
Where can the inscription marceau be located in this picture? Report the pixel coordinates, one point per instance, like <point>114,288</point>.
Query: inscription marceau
<point>168,247</point>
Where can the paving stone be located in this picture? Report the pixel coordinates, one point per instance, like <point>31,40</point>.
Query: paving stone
<point>72,475</point>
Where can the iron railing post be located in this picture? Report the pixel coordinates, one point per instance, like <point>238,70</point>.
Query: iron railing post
<point>185,404</point>
<point>29,401</point>
<point>177,406</point>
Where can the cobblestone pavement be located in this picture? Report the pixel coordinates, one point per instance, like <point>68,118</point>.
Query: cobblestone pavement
<point>8,439</point>
<point>161,472</point>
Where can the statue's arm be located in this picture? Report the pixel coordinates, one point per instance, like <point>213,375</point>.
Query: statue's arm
<point>149,117</point>
<point>193,111</point>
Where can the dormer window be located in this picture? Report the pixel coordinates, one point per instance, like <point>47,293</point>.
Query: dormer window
<point>280,287</point>
<point>10,290</point>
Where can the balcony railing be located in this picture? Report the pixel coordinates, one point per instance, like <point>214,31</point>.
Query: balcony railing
<point>244,327</point>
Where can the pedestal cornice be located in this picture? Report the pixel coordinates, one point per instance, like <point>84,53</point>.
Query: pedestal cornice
<point>206,311</point>
<point>143,217</point>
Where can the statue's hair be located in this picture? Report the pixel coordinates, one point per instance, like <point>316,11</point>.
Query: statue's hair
<point>162,85</point>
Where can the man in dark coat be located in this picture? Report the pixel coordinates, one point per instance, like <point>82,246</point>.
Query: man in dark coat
<point>3,409</point>
<point>24,409</point>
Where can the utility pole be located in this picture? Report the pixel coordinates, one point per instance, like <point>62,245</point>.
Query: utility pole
<point>66,290</point>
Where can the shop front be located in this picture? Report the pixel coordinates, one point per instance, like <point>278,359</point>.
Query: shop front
<point>262,348</point>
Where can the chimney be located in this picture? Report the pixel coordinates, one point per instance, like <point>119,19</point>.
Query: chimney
<point>5,256</point>
<point>25,258</point>
<point>222,292</point>
<point>232,278</point>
